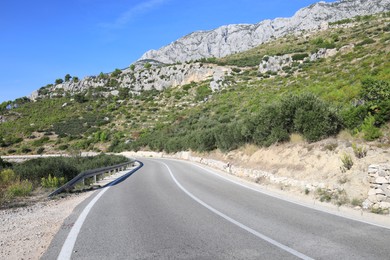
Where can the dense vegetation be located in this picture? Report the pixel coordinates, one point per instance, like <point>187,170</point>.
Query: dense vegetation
<point>21,179</point>
<point>316,99</point>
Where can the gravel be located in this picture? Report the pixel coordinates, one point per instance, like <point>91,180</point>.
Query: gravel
<point>26,232</point>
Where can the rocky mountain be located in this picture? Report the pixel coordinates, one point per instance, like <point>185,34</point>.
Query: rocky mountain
<point>230,39</point>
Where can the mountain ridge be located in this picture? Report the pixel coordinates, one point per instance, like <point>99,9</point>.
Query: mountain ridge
<point>230,39</point>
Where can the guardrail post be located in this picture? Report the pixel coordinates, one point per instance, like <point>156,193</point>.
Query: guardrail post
<point>94,179</point>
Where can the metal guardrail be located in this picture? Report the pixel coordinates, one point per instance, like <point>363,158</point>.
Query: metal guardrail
<point>91,173</point>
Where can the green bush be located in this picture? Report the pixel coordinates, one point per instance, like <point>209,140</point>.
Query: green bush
<point>41,141</point>
<point>353,117</point>
<point>7,176</point>
<point>227,136</point>
<point>369,130</point>
<point>310,116</point>
<point>375,90</point>
<point>299,56</point>
<point>40,150</point>
<point>19,189</point>
<point>52,182</point>
<point>67,167</point>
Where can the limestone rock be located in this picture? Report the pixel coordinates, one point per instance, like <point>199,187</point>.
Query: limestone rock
<point>230,39</point>
<point>381,180</point>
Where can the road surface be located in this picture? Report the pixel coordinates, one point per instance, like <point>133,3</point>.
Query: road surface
<point>171,209</point>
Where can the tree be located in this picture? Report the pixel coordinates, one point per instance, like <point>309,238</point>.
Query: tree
<point>59,81</point>
<point>147,65</point>
<point>116,73</point>
<point>75,79</point>
<point>132,67</point>
<point>67,77</point>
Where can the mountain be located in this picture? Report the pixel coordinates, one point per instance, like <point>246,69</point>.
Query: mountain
<point>230,39</point>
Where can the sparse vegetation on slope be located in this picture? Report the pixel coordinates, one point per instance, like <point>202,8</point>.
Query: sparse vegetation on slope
<point>316,99</point>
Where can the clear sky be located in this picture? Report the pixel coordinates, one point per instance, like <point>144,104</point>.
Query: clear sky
<point>43,40</point>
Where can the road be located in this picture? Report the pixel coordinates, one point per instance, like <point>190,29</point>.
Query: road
<point>177,210</point>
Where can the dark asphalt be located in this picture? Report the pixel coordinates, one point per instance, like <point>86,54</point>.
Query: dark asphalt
<point>150,216</point>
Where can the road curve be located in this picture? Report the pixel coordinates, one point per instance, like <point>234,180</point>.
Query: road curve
<point>177,210</point>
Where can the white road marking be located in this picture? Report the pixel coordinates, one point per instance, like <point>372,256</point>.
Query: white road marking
<point>290,200</point>
<point>67,247</point>
<point>235,222</point>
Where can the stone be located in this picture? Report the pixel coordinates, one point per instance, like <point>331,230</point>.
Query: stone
<point>381,180</point>
<point>382,173</point>
<point>373,198</point>
<point>373,169</point>
<point>380,197</point>
<point>372,192</point>
<point>379,191</point>
<point>384,205</point>
<point>367,204</point>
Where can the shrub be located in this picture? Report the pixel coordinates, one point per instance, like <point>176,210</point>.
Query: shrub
<point>202,92</point>
<point>7,176</point>
<point>40,150</point>
<point>359,151</point>
<point>63,147</point>
<point>228,137</point>
<point>52,182</point>
<point>299,56</point>
<point>365,42</point>
<point>353,117</point>
<point>41,141</point>
<point>270,126</point>
<point>375,90</point>
<point>347,161</point>
<point>19,189</point>
<point>369,130</point>
<point>310,116</point>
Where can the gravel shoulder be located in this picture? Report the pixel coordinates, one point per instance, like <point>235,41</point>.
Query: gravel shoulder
<point>26,232</point>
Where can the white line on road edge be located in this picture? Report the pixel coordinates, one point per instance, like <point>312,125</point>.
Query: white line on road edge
<point>67,247</point>
<point>235,222</point>
<point>284,198</point>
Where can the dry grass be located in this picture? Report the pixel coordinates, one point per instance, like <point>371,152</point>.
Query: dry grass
<point>296,139</point>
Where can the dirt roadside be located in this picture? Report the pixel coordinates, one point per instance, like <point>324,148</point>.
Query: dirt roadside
<point>26,232</point>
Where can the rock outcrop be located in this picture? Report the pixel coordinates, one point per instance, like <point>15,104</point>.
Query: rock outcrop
<point>230,39</point>
<point>145,75</point>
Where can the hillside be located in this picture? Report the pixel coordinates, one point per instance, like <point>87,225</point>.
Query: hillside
<point>132,109</point>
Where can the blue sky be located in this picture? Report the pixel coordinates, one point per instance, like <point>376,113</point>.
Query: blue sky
<point>43,40</point>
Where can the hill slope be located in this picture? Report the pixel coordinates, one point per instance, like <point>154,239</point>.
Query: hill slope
<point>335,65</point>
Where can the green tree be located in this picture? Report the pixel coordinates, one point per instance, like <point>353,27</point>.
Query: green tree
<point>147,65</point>
<point>67,77</point>
<point>116,73</point>
<point>59,81</point>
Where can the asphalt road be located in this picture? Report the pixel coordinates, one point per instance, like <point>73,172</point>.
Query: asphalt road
<point>176,210</point>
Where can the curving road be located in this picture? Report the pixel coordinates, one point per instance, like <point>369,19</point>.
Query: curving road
<point>177,210</point>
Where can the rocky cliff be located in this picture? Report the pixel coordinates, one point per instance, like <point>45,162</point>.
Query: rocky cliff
<point>230,39</point>
<point>145,75</point>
